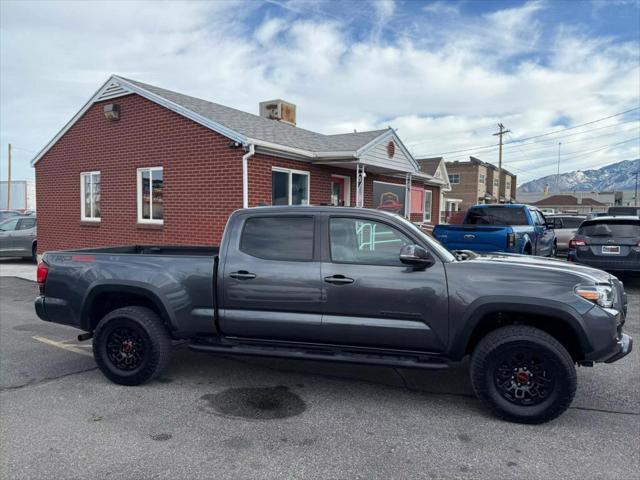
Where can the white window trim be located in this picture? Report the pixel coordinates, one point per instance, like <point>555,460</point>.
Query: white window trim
<point>453,175</point>
<point>426,216</point>
<point>347,188</point>
<point>152,221</point>
<point>291,172</point>
<point>83,216</point>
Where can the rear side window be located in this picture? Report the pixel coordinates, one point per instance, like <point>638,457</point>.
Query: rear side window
<point>571,222</point>
<point>611,228</point>
<point>496,216</point>
<point>278,238</point>
<point>26,223</point>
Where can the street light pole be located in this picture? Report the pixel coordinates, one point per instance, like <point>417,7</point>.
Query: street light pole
<point>558,174</point>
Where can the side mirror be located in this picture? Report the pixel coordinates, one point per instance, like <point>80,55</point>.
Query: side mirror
<point>416,255</point>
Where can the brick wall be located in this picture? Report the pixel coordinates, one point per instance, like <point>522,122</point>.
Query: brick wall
<point>202,179</point>
<point>469,189</point>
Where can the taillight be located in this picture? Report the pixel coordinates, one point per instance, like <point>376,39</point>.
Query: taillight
<point>41,275</point>
<point>576,243</point>
<point>511,240</point>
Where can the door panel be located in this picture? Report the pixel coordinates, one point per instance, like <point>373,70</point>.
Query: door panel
<point>387,304</point>
<point>271,280</point>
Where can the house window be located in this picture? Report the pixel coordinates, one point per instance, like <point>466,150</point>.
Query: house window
<point>150,199</point>
<point>496,182</point>
<point>289,187</point>
<point>454,178</point>
<point>90,196</point>
<point>481,178</point>
<point>428,195</point>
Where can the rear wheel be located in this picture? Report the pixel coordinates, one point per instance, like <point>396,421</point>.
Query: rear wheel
<point>522,374</point>
<point>34,253</point>
<point>131,345</point>
<point>554,250</point>
<point>527,250</point>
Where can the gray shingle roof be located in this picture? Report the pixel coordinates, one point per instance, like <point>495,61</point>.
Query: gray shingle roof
<point>429,165</point>
<point>259,128</point>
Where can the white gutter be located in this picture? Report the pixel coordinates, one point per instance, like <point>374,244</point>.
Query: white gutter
<point>245,175</point>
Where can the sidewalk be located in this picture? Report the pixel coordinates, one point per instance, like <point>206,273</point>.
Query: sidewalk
<point>17,267</point>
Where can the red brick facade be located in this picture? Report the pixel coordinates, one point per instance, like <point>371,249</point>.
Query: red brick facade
<point>202,179</point>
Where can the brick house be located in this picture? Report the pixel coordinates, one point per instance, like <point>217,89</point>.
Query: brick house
<point>140,164</point>
<point>476,181</point>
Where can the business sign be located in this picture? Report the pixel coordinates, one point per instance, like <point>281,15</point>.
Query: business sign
<point>389,197</point>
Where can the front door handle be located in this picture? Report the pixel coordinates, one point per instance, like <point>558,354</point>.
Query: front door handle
<point>242,275</point>
<point>338,280</point>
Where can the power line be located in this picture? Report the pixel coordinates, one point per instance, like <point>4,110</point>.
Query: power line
<point>578,154</point>
<point>482,147</point>
<point>515,143</point>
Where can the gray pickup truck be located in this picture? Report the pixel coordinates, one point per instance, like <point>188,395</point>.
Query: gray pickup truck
<point>346,285</point>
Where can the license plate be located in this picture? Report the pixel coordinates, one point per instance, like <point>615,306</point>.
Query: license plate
<point>611,250</point>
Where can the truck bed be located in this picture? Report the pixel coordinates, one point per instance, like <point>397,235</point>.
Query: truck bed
<point>152,250</point>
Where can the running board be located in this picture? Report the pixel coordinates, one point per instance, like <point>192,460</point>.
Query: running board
<point>343,356</point>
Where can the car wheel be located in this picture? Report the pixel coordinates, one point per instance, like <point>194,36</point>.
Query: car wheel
<point>522,374</point>
<point>131,345</point>
<point>554,250</point>
<point>527,250</point>
<point>34,253</point>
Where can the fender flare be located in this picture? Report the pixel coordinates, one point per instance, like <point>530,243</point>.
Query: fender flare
<point>478,309</point>
<point>130,287</point>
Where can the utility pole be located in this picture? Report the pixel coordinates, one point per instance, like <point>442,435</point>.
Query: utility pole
<point>558,173</point>
<point>636,195</point>
<point>500,134</point>
<point>9,179</point>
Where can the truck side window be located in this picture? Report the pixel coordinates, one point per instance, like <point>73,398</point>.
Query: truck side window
<point>278,238</point>
<point>365,241</point>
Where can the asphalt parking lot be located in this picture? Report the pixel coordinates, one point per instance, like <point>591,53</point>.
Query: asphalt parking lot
<point>215,417</point>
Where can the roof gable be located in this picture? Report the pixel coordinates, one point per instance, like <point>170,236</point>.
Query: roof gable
<point>380,153</point>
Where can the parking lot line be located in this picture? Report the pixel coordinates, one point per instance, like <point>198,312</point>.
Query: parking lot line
<point>63,345</point>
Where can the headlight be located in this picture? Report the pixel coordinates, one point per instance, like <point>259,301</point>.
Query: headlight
<point>602,295</point>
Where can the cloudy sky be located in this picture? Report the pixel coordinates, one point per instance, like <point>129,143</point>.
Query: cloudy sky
<point>442,73</point>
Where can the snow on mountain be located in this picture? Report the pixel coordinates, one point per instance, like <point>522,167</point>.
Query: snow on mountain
<point>617,176</point>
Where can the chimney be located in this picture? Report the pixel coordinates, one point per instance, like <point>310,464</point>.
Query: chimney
<point>279,110</point>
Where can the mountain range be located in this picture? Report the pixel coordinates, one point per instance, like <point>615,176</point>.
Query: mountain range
<point>617,176</point>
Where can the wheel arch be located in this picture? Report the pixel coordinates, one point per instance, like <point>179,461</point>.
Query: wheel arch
<point>555,318</point>
<point>104,297</point>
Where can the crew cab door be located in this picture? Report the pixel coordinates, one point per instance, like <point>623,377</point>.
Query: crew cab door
<point>544,235</point>
<point>270,276</point>
<point>374,300</point>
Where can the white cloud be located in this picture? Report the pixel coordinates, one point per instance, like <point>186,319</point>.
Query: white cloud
<point>269,29</point>
<point>445,86</point>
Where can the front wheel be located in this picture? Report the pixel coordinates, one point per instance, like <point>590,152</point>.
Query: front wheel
<point>131,345</point>
<point>522,374</point>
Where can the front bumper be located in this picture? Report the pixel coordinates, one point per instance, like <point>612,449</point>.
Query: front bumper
<point>623,348</point>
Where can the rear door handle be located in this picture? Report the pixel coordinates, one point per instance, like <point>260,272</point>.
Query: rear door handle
<point>338,280</point>
<point>242,275</point>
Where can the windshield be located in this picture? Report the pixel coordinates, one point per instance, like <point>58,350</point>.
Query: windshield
<point>436,246</point>
<point>496,216</point>
<point>611,228</point>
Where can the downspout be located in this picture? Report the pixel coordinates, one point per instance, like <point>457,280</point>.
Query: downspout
<point>245,175</point>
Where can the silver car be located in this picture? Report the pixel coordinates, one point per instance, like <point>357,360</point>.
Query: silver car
<point>566,228</point>
<point>18,237</point>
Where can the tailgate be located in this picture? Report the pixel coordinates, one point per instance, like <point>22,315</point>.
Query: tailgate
<point>473,237</point>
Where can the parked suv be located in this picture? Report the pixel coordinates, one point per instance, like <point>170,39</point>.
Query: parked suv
<point>566,227</point>
<point>609,243</point>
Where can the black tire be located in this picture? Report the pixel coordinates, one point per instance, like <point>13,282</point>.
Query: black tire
<point>527,250</point>
<point>131,345</point>
<point>498,379</point>
<point>34,253</point>
<point>554,250</point>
